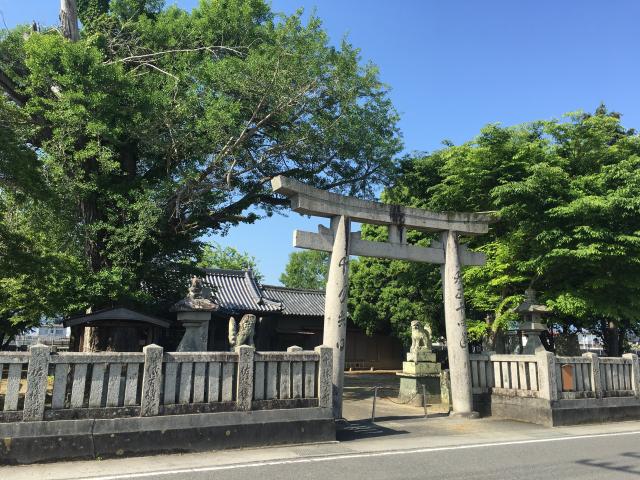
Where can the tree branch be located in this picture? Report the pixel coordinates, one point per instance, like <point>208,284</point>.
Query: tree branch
<point>147,56</point>
<point>151,65</point>
<point>11,89</point>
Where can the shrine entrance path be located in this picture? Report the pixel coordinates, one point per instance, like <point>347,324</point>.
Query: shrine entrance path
<point>358,398</point>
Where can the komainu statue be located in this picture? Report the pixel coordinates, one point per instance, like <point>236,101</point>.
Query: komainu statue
<point>420,336</point>
<point>242,335</point>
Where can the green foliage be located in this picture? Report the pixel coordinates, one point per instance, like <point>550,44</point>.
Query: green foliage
<point>477,330</point>
<point>217,256</point>
<point>306,269</point>
<point>36,277</point>
<point>160,127</point>
<point>568,197</point>
<point>386,295</point>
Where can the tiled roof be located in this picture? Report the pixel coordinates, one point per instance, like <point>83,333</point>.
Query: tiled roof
<point>238,290</point>
<point>297,301</point>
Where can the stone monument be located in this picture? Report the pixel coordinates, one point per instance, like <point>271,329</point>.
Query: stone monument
<point>194,313</point>
<point>532,325</point>
<point>242,335</point>
<point>420,373</point>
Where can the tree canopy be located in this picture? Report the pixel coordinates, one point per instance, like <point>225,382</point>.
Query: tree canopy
<point>306,269</point>
<point>159,126</point>
<point>217,256</point>
<point>568,197</point>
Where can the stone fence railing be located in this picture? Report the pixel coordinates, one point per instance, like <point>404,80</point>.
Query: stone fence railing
<point>505,374</point>
<point>551,377</point>
<point>39,385</point>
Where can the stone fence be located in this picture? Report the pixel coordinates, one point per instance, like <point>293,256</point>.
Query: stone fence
<point>39,385</point>
<point>545,375</point>
<point>562,390</point>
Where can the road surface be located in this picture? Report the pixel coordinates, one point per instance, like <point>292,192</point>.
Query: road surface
<point>438,448</point>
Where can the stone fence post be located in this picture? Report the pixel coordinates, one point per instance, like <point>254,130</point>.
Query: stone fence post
<point>151,381</point>
<point>245,377</point>
<point>37,373</point>
<point>635,372</point>
<point>547,375</point>
<point>596,382</point>
<point>325,377</point>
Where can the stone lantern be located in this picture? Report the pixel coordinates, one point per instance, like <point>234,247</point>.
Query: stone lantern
<point>532,324</point>
<point>194,313</point>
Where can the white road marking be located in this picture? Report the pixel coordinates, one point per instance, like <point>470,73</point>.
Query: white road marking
<point>348,456</point>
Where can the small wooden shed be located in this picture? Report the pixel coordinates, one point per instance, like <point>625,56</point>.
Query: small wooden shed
<point>118,329</point>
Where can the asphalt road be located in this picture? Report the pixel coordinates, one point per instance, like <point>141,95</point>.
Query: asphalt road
<point>402,444</point>
<point>596,456</point>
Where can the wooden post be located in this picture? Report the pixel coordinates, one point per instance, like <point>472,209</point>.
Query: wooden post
<point>37,374</point>
<point>335,305</point>
<point>151,381</point>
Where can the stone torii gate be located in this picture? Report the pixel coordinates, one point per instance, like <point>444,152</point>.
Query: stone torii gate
<point>341,243</point>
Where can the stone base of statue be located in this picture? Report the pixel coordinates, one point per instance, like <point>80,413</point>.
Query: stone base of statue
<point>420,376</point>
<point>194,314</point>
<point>196,333</point>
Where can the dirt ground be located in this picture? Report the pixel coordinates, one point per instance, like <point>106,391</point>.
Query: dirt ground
<point>358,398</point>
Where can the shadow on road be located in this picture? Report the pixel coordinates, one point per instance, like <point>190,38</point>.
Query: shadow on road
<point>611,466</point>
<point>364,429</point>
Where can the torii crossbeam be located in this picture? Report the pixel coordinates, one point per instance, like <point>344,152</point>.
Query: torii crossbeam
<point>342,243</point>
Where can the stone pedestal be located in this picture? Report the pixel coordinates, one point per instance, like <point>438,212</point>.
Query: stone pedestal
<point>194,313</point>
<point>420,370</point>
<point>196,333</point>
<point>534,345</point>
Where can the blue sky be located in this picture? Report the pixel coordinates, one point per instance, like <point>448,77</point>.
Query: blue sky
<point>455,66</point>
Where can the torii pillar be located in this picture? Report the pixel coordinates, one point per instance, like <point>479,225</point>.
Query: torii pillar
<point>456,327</point>
<point>342,243</point>
<point>335,305</point>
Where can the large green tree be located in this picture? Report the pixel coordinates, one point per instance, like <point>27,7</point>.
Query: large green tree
<point>568,197</point>
<point>230,258</point>
<point>127,141</point>
<point>306,269</point>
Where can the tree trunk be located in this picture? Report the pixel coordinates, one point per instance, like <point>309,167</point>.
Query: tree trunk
<point>4,344</point>
<point>611,339</point>
<point>95,339</point>
<point>621,338</point>
<point>69,20</point>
